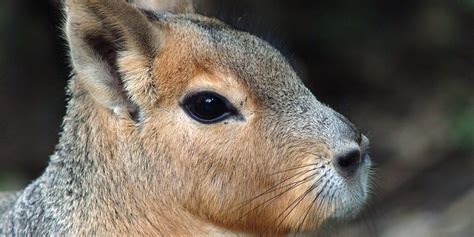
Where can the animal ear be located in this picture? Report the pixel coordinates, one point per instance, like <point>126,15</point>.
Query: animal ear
<point>99,32</point>
<point>173,6</point>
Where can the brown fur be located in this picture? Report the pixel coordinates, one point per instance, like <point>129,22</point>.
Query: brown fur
<point>162,173</point>
<point>175,147</point>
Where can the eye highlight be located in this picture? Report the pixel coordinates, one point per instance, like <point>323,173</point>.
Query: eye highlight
<point>208,107</point>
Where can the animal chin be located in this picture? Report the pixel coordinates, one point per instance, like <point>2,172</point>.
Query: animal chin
<point>350,208</point>
<point>352,200</point>
<point>344,198</point>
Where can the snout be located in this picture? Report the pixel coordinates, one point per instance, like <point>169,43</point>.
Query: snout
<point>349,150</point>
<point>349,147</point>
<point>350,158</point>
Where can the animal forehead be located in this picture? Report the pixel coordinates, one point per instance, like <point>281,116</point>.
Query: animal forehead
<point>258,66</point>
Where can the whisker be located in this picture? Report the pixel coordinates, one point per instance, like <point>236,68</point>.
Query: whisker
<point>295,203</point>
<point>299,167</point>
<point>314,154</point>
<point>273,188</point>
<point>293,185</point>
<point>306,214</point>
<point>331,201</point>
<point>266,203</point>
<point>310,206</point>
<point>326,209</point>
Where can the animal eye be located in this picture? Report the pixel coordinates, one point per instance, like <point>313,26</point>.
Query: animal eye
<point>208,107</point>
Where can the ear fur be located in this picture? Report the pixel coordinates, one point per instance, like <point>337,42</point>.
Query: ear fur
<point>98,32</point>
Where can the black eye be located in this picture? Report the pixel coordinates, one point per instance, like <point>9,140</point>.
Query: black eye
<point>208,107</point>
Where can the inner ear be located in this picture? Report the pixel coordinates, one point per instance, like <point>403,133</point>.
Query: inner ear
<point>106,50</point>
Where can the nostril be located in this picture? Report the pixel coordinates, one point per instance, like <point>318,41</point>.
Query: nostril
<point>349,162</point>
<point>349,159</point>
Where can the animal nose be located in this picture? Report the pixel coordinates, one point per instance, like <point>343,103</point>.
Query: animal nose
<point>348,162</point>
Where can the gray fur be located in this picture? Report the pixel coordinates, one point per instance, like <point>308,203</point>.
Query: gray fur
<point>51,203</point>
<point>274,82</point>
<point>6,201</point>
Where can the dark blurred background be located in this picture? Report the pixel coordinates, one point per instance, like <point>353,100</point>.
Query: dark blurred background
<point>403,71</point>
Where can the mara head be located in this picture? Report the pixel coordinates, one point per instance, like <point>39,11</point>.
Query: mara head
<point>209,120</point>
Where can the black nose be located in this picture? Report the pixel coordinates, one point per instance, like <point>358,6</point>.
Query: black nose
<point>348,163</point>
